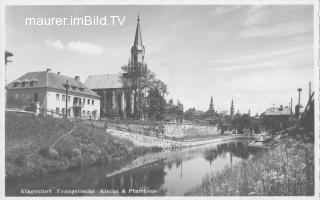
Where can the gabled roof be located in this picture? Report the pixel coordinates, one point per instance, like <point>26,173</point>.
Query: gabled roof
<point>51,80</point>
<point>104,81</point>
<point>277,111</point>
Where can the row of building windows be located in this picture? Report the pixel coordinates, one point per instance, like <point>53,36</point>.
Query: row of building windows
<point>63,111</point>
<point>75,99</point>
<point>74,87</point>
<point>84,113</point>
<point>23,83</point>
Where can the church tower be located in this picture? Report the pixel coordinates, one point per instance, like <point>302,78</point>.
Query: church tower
<point>232,108</point>
<point>137,50</point>
<point>211,106</point>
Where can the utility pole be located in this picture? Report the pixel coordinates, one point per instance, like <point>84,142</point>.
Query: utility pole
<point>309,89</point>
<point>67,87</point>
<point>291,105</point>
<point>7,55</point>
<point>299,90</point>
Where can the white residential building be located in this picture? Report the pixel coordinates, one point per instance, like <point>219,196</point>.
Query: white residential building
<point>53,94</point>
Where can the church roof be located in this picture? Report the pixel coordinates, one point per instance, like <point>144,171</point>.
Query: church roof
<point>51,80</point>
<point>104,81</point>
<point>137,38</point>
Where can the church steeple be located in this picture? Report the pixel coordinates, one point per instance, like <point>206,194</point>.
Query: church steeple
<point>211,106</point>
<point>232,108</point>
<point>137,38</point>
<point>137,50</point>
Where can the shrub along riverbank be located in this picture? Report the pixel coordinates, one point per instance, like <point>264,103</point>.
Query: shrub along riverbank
<point>36,146</point>
<point>286,169</point>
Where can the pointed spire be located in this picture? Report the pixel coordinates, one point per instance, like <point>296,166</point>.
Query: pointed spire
<point>232,108</point>
<point>211,106</point>
<point>137,38</point>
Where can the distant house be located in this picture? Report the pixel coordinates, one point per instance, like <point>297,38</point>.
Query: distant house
<point>45,93</point>
<point>276,117</point>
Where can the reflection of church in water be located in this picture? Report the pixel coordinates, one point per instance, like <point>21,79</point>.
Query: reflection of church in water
<point>116,99</point>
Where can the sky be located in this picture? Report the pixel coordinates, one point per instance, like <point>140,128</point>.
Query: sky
<point>257,55</point>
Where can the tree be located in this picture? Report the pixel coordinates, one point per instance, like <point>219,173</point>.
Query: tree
<point>190,114</point>
<point>138,79</point>
<point>179,109</point>
<point>241,122</point>
<point>157,102</point>
<point>175,110</point>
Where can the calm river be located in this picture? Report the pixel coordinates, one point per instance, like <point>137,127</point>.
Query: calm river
<point>173,176</point>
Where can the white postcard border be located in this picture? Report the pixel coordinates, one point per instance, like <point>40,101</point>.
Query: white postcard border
<point>163,2</point>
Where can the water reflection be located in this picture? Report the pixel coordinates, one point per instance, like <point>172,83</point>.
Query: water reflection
<point>237,149</point>
<point>171,176</point>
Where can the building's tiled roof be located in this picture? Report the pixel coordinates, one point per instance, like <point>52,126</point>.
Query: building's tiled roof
<point>51,80</point>
<point>104,81</point>
<point>277,111</point>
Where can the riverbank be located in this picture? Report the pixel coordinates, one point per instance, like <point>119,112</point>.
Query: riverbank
<point>36,146</point>
<point>286,169</point>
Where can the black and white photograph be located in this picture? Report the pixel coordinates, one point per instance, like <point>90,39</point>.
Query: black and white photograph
<point>161,100</point>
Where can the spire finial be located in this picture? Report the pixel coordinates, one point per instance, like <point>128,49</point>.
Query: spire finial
<point>138,17</point>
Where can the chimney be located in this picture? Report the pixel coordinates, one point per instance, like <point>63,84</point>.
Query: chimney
<point>58,73</point>
<point>48,70</point>
<point>77,78</point>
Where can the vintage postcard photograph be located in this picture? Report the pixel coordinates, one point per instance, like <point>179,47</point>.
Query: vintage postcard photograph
<point>160,100</point>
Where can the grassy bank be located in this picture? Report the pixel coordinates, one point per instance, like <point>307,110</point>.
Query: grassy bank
<point>287,169</point>
<point>29,138</point>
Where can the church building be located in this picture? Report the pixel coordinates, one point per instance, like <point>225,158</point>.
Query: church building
<point>116,98</point>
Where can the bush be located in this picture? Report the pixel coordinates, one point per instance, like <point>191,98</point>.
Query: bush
<point>288,169</point>
<point>44,151</point>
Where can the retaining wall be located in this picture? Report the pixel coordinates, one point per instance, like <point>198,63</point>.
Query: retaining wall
<point>180,130</point>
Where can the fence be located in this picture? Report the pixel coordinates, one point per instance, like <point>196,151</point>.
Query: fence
<point>44,112</point>
<point>148,122</point>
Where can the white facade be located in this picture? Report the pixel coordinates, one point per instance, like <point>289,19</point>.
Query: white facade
<point>44,92</point>
<point>87,107</point>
